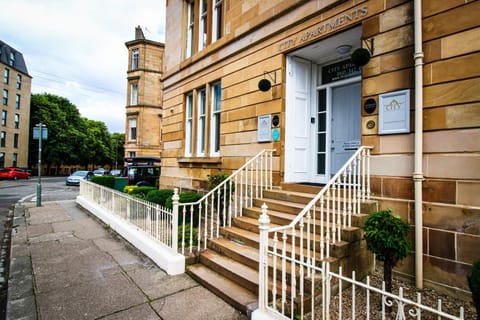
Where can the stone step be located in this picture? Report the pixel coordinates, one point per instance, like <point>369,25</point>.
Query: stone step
<point>348,234</point>
<point>252,239</point>
<point>234,294</point>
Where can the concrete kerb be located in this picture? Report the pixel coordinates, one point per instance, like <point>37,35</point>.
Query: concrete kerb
<point>173,264</point>
<point>21,300</point>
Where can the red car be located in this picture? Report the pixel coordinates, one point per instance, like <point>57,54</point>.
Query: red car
<point>14,174</point>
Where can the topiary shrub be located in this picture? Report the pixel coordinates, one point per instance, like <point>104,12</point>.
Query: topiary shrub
<point>387,237</point>
<point>474,284</point>
<point>107,181</point>
<point>159,196</point>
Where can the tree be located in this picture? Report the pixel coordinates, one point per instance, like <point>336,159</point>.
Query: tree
<point>72,140</point>
<point>387,237</point>
<point>118,149</point>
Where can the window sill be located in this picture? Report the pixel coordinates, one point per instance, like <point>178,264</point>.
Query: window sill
<point>198,161</point>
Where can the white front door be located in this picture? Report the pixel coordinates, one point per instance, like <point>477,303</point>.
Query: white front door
<point>322,128</point>
<point>298,129</point>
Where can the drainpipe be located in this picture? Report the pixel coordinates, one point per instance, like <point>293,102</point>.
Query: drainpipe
<point>418,166</point>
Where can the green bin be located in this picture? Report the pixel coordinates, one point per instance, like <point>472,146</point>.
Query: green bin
<point>120,183</point>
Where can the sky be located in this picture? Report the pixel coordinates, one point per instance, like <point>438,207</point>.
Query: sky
<point>76,48</point>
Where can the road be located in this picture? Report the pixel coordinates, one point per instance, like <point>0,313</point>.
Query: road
<point>12,191</point>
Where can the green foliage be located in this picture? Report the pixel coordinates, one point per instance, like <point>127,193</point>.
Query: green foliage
<point>186,197</point>
<point>159,196</point>
<point>107,181</point>
<point>225,192</point>
<point>474,284</point>
<point>187,235</point>
<point>141,192</point>
<point>129,189</point>
<point>72,140</point>
<point>387,236</point>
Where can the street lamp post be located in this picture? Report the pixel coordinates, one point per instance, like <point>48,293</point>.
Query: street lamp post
<point>116,142</point>
<point>40,132</point>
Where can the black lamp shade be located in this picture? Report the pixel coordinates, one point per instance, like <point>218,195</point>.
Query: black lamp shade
<point>360,57</point>
<point>264,85</point>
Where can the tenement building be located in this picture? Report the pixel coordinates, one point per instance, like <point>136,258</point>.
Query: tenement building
<point>144,96</point>
<point>315,80</point>
<point>15,108</point>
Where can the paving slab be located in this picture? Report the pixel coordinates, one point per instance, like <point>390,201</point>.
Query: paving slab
<point>90,300</point>
<point>66,265</point>
<point>157,284</point>
<point>193,304</point>
<point>84,229</point>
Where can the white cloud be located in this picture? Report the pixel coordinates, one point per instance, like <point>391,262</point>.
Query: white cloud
<point>76,49</point>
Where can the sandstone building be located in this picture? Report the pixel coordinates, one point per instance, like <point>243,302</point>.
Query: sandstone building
<point>144,96</point>
<point>15,108</point>
<point>321,105</point>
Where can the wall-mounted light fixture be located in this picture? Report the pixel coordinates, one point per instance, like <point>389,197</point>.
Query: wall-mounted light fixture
<point>265,84</point>
<point>361,56</point>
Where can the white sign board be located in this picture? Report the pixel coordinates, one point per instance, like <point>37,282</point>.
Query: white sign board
<point>264,128</point>
<point>394,112</point>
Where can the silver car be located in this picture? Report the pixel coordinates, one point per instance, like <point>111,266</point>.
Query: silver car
<point>74,178</point>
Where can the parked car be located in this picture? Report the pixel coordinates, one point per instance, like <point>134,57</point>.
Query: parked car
<point>142,171</point>
<point>115,172</point>
<point>99,172</point>
<point>14,174</point>
<point>74,178</point>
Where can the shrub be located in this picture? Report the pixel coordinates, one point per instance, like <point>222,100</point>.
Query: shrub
<point>107,181</point>
<point>159,196</point>
<point>186,197</point>
<point>142,191</point>
<point>187,235</point>
<point>474,284</point>
<point>129,189</point>
<point>225,193</point>
<point>387,237</point>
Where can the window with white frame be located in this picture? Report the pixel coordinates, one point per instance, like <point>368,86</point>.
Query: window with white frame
<point>6,75</point>
<point>19,81</point>
<point>189,124</point>
<point>17,101</point>
<point>216,97</point>
<point>3,139</point>
<point>202,25</point>
<point>135,55</point>
<point>2,159</point>
<point>132,129</point>
<point>17,121</point>
<point>217,21</point>
<point>5,97</point>
<point>14,159</point>
<point>4,118</point>
<point>190,28</point>
<point>132,154</point>
<point>134,94</point>
<point>201,121</point>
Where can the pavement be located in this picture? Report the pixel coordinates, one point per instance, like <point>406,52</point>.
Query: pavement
<point>66,264</point>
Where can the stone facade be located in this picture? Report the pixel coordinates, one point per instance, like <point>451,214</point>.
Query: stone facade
<point>144,111</point>
<point>15,88</point>
<point>259,41</point>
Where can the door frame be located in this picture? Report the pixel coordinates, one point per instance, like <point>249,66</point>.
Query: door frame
<point>312,176</point>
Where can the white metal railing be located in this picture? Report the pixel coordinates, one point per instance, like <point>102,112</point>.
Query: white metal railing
<point>294,260</point>
<point>225,202</point>
<point>154,220</point>
<point>309,236</point>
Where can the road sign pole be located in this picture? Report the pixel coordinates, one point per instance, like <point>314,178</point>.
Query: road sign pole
<point>39,181</point>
